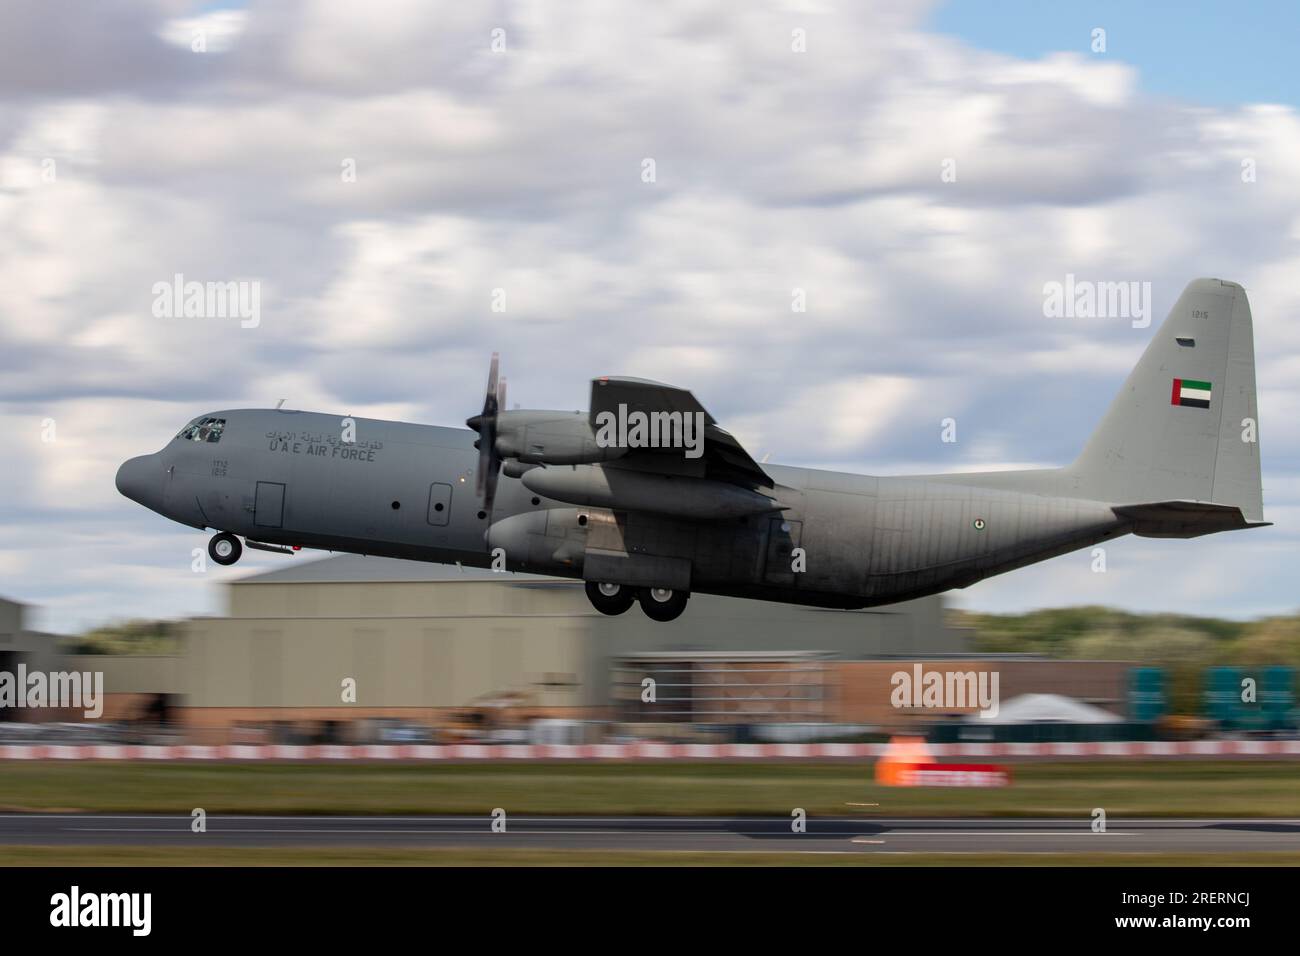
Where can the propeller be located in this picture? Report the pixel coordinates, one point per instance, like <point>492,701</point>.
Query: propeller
<point>485,423</point>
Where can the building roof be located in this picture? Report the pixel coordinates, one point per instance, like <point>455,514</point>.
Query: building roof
<point>359,568</point>
<point>688,654</point>
<point>1047,708</point>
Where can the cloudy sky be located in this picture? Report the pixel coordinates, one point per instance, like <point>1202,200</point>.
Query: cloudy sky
<point>795,146</point>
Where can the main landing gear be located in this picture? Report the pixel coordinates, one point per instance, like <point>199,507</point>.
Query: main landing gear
<point>610,598</point>
<point>224,548</point>
<point>659,604</point>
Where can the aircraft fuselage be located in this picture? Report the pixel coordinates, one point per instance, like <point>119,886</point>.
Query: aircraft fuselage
<point>408,491</point>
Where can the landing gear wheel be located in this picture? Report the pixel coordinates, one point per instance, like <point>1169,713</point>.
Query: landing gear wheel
<point>225,548</point>
<point>663,604</point>
<point>609,598</point>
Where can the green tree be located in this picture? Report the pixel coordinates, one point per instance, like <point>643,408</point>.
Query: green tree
<point>129,637</point>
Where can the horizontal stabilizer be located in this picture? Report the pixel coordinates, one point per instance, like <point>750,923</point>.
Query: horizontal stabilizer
<point>1184,519</point>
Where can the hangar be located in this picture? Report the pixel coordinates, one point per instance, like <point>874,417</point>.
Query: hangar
<point>353,649</point>
<point>19,646</point>
<point>349,644</point>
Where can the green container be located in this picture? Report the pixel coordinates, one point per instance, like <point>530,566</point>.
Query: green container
<point>1223,702</point>
<point>1277,697</point>
<point>1147,701</point>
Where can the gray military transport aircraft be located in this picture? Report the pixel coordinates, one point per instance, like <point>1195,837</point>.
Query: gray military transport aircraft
<point>590,496</point>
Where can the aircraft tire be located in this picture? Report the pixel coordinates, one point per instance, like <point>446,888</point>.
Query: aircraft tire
<point>225,548</point>
<point>663,604</point>
<point>608,601</point>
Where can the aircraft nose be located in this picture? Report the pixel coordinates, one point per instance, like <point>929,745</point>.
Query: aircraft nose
<point>140,479</point>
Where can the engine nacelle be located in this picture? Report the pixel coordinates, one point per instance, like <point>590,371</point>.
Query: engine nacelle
<point>627,490</point>
<point>550,438</point>
<point>549,540</point>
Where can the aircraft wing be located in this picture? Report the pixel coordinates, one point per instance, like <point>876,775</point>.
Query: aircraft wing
<point>723,458</point>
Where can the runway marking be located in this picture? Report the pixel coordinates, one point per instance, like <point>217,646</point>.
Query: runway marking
<point>1043,833</point>
<point>1155,821</point>
<point>451,818</point>
<point>485,831</point>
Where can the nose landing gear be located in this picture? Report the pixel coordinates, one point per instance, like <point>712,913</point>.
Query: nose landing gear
<point>224,548</point>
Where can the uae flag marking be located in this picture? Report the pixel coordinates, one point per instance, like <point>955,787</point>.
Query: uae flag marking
<point>1190,392</point>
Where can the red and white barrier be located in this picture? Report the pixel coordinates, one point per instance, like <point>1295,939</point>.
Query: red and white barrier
<point>952,775</point>
<point>642,751</point>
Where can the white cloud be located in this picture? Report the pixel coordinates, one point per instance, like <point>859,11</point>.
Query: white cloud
<point>212,32</point>
<point>776,171</point>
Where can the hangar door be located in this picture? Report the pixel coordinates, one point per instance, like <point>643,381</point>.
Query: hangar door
<point>268,506</point>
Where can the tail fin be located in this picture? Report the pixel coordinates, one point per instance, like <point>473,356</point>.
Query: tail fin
<point>1185,425</point>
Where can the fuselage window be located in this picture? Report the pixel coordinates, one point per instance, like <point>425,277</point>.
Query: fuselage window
<point>203,429</point>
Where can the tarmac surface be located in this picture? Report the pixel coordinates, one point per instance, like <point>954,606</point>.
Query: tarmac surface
<point>854,833</point>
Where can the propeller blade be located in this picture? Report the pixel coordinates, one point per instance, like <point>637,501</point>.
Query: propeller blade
<point>490,492</point>
<point>490,404</point>
<point>485,423</point>
<point>486,452</point>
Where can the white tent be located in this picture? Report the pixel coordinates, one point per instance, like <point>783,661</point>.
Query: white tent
<point>1047,709</point>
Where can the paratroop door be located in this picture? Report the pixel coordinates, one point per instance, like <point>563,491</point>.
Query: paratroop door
<point>782,539</point>
<point>268,507</point>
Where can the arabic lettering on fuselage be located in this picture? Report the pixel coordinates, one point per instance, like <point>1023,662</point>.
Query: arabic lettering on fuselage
<point>320,445</point>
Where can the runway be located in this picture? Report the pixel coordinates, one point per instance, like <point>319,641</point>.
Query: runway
<point>863,834</point>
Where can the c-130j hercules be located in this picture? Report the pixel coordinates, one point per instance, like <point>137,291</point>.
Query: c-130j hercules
<point>562,493</point>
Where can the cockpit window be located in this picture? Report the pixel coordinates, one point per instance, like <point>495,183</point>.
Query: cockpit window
<point>203,429</point>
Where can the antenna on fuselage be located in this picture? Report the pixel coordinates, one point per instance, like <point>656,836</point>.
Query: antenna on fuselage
<point>280,404</point>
